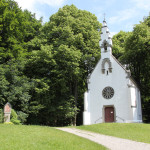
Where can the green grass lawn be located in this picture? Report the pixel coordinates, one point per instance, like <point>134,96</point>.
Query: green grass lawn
<point>132,131</point>
<point>20,137</point>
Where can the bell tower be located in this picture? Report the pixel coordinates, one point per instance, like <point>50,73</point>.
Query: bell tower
<point>105,42</point>
<point>106,49</point>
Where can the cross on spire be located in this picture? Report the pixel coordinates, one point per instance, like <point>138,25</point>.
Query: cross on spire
<point>104,16</point>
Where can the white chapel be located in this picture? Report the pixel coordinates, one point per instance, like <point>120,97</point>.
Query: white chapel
<point>112,95</point>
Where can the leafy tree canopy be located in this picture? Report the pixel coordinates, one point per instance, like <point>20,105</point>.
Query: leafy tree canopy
<point>65,43</point>
<point>16,28</point>
<point>119,43</point>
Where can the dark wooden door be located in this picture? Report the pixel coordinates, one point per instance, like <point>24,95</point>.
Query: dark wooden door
<point>109,114</point>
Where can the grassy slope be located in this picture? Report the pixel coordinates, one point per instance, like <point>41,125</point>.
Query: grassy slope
<point>136,132</point>
<point>41,138</point>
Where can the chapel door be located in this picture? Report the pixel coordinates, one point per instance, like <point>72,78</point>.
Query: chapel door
<point>109,114</point>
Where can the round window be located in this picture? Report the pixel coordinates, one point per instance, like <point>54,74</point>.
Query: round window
<point>108,92</point>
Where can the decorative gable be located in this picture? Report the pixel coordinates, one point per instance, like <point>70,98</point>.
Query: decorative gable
<point>106,60</point>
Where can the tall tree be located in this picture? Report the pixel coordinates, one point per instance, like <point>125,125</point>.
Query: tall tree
<point>71,38</point>
<point>119,41</point>
<point>17,89</point>
<point>16,28</point>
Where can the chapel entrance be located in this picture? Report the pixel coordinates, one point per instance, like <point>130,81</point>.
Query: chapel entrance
<point>109,114</point>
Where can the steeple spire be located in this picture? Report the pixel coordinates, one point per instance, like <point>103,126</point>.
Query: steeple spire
<point>106,41</point>
<point>104,16</point>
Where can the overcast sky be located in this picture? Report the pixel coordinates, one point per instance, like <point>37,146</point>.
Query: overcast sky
<point>120,14</point>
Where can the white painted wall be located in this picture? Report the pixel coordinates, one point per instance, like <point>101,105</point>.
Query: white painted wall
<point>123,99</point>
<point>116,80</point>
<point>86,113</point>
<point>135,102</point>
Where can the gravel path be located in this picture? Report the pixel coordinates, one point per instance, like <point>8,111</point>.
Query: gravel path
<point>110,142</point>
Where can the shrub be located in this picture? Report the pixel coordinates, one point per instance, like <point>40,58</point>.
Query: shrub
<point>14,117</point>
<point>22,116</point>
<point>1,116</point>
<point>8,123</point>
<point>15,121</point>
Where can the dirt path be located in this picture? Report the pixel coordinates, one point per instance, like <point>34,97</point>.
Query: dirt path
<point>110,142</point>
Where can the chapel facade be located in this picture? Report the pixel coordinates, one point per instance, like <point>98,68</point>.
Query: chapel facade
<point>112,95</point>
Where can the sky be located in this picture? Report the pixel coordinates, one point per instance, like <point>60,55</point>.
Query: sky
<point>119,14</point>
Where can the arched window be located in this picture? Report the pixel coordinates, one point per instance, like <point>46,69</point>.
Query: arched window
<point>106,60</point>
<point>105,46</point>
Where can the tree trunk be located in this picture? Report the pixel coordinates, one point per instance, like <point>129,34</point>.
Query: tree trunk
<point>75,98</point>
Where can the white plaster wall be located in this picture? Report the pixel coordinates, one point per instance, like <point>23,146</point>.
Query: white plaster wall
<point>135,102</point>
<point>86,113</point>
<point>121,99</point>
<point>139,112</point>
<point>86,118</point>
